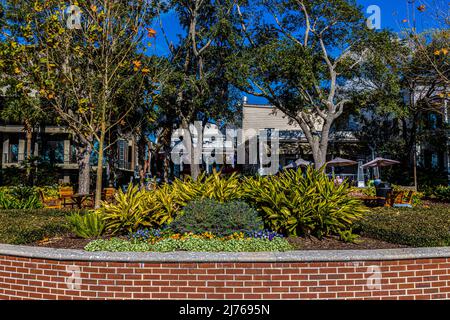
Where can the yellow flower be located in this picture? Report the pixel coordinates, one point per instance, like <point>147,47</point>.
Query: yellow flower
<point>146,71</point>
<point>437,52</point>
<point>445,51</point>
<point>94,8</point>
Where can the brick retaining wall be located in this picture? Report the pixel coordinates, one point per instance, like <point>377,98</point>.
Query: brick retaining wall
<point>39,278</point>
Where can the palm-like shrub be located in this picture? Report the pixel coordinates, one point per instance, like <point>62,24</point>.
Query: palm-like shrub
<point>214,186</point>
<point>138,209</point>
<point>130,211</point>
<point>294,203</point>
<point>89,225</point>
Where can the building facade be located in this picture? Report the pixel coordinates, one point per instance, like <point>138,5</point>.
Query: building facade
<point>54,145</point>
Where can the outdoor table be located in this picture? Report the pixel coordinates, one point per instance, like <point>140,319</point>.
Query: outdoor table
<point>373,201</point>
<point>79,199</point>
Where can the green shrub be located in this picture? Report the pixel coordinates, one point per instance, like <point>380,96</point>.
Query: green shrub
<point>35,171</point>
<point>28,226</point>
<point>128,213</point>
<point>19,197</point>
<point>294,203</point>
<point>420,227</point>
<point>191,244</point>
<point>88,225</point>
<point>136,209</point>
<point>221,219</point>
<point>291,203</point>
<point>215,186</point>
<point>117,245</point>
<point>139,209</point>
<point>442,193</point>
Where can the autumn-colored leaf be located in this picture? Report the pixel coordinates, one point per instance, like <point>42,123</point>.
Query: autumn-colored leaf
<point>94,8</point>
<point>421,8</point>
<point>137,65</point>
<point>146,71</point>
<point>151,32</point>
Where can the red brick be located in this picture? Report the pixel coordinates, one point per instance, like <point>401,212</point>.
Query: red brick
<point>23,278</point>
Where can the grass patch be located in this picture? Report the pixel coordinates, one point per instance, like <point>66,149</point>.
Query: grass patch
<point>28,226</point>
<point>419,227</point>
<point>191,244</point>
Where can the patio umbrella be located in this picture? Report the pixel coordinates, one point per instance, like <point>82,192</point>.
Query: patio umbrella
<point>340,162</point>
<point>298,163</point>
<point>380,162</point>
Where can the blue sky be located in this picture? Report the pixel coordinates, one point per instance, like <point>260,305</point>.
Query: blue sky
<point>395,15</point>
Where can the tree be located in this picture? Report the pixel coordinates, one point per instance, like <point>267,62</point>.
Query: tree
<point>84,59</point>
<point>301,59</point>
<point>196,88</point>
<point>25,110</point>
<point>436,34</point>
<point>400,100</point>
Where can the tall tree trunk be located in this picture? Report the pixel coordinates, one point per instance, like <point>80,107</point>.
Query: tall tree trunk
<point>319,152</point>
<point>29,138</point>
<point>195,167</point>
<point>99,183</point>
<point>142,143</point>
<point>166,165</point>
<point>84,168</point>
<point>319,160</point>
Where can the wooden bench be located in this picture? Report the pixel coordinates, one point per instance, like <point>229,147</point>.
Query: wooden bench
<point>49,203</point>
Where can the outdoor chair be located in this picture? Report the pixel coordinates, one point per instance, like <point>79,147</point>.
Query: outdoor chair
<point>66,194</point>
<point>49,203</point>
<point>108,194</point>
<point>394,197</point>
<point>406,201</point>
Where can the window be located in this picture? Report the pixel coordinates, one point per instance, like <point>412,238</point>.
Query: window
<point>54,151</point>
<point>13,152</point>
<point>433,121</point>
<point>434,161</point>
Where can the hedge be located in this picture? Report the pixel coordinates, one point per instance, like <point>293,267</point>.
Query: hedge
<point>28,226</point>
<point>418,227</point>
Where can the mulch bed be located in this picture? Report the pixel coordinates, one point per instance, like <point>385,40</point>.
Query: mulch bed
<point>66,242</point>
<point>331,243</point>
